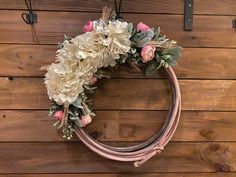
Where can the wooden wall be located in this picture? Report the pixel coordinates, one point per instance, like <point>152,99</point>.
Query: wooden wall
<point>129,107</point>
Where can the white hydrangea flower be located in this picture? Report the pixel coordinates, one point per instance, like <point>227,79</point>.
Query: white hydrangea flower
<point>112,39</point>
<point>118,37</point>
<point>81,56</point>
<point>85,46</point>
<point>67,52</point>
<point>65,84</point>
<point>84,70</point>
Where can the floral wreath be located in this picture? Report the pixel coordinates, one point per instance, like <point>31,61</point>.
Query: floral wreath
<point>81,60</point>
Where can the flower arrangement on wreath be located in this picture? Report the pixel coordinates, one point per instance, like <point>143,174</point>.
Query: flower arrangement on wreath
<point>80,61</point>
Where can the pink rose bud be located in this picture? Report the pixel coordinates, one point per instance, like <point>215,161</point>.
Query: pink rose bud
<point>142,27</point>
<point>86,119</point>
<point>58,115</point>
<point>88,27</point>
<point>93,80</point>
<point>147,53</point>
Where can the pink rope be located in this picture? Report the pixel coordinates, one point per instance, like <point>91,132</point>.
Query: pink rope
<point>141,153</point>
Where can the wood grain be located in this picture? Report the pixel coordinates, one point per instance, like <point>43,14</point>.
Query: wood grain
<point>219,7</point>
<point>51,27</point>
<point>18,126</point>
<point>127,175</point>
<point>26,60</point>
<point>152,94</point>
<point>204,144</point>
<point>76,158</point>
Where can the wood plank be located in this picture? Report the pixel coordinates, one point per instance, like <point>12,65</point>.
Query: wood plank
<point>16,126</point>
<point>152,94</point>
<point>156,6</point>
<point>216,174</point>
<point>209,31</point>
<point>26,60</point>
<point>217,7</point>
<point>76,158</point>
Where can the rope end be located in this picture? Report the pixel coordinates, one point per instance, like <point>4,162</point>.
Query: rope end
<point>137,164</point>
<point>148,156</point>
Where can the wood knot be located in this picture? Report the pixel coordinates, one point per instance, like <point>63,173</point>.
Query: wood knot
<point>214,147</point>
<point>19,67</point>
<point>127,130</point>
<point>218,156</point>
<point>222,168</point>
<point>208,134</point>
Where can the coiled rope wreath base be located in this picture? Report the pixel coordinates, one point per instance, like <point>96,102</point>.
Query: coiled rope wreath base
<point>80,61</point>
<point>140,153</point>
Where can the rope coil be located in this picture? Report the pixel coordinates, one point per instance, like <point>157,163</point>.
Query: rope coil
<point>141,153</point>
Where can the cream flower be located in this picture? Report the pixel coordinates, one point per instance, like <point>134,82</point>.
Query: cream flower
<point>80,58</point>
<point>102,46</point>
<point>62,88</point>
<point>84,70</point>
<point>64,84</point>
<point>88,48</point>
<point>80,47</point>
<point>85,46</point>
<point>118,37</point>
<point>112,41</point>
<point>67,52</point>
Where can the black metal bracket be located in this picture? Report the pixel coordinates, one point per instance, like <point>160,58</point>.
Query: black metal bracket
<point>188,15</point>
<point>234,23</point>
<point>31,17</point>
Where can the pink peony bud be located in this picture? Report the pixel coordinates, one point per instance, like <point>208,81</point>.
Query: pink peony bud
<point>58,115</point>
<point>142,27</point>
<point>147,53</point>
<point>88,27</point>
<point>86,119</point>
<point>93,80</point>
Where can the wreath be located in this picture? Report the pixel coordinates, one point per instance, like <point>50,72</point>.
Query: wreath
<point>80,62</point>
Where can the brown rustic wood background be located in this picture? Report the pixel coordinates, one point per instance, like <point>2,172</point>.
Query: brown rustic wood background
<point>129,107</point>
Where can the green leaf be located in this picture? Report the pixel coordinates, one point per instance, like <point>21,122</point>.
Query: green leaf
<point>71,112</point>
<point>142,42</point>
<point>73,118</point>
<point>54,107</point>
<point>142,38</point>
<point>133,50</point>
<point>158,30</point>
<point>151,69</point>
<point>171,62</point>
<point>78,102</point>
<point>175,52</point>
<point>77,122</point>
<point>130,27</point>
<point>87,87</point>
<point>157,56</point>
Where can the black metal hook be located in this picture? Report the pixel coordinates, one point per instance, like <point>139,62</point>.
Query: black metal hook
<point>29,18</point>
<point>234,23</point>
<point>118,9</point>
